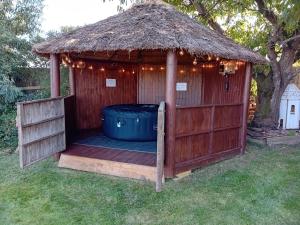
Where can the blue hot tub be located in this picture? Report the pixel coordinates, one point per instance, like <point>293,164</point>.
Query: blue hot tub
<point>131,122</point>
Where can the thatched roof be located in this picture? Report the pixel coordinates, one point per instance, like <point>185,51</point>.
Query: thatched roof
<point>148,26</point>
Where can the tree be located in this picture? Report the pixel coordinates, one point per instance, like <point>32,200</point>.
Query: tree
<point>19,25</point>
<point>271,27</point>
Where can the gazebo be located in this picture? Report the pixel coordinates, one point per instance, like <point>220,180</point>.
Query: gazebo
<point>151,53</point>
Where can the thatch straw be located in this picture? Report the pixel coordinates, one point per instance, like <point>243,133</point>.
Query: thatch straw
<point>148,26</point>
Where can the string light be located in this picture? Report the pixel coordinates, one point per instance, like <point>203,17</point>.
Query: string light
<point>181,53</point>
<point>123,70</point>
<point>181,71</point>
<point>64,62</point>
<point>195,62</point>
<point>217,59</point>
<point>73,65</point>
<point>194,70</point>
<point>81,65</point>
<point>143,68</point>
<point>209,58</point>
<point>90,67</point>
<point>162,68</point>
<point>133,72</point>
<point>102,69</point>
<point>151,68</point>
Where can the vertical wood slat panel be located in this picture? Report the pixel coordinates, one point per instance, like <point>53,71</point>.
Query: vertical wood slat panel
<point>203,131</point>
<point>193,120</point>
<point>227,116</point>
<point>152,83</point>
<point>214,86</point>
<point>92,95</point>
<point>41,129</point>
<point>226,140</point>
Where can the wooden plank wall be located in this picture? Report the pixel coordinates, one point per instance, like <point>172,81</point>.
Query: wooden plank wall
<point>212,130</point>
<point>214,91</point>
<point>152,84</point>
<point>92,95</point>
<point>41,129</point>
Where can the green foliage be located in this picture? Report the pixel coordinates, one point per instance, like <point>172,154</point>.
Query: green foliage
<point>253,90</point>
<point>259,187</point>
<point>19,21</point>
<point>8,131</point>
<point>19,25</point>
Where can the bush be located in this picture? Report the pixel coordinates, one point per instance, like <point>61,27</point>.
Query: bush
<point>8,130</point>
<point>8,110</point>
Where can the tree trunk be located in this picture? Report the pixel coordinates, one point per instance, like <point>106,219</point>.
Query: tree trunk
<point>279,88</point>
<point>283,74</point>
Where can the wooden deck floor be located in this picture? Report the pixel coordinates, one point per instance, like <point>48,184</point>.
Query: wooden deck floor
<point>139,158</point>
<point>137,165</point>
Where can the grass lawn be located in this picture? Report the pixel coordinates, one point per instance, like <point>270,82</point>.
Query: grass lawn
<point>260,187</point>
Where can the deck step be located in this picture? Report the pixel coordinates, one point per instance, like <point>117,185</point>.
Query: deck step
<point>108,167</point>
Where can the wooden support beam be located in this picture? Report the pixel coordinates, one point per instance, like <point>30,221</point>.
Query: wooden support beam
<point>246,95</point>
<point>55,82</point>
<point>55,75</point>
<point>160,147</point>
<point>72,80</point>
<point>170,112</point>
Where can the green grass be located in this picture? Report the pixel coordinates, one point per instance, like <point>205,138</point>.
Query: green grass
<point>260,187</point>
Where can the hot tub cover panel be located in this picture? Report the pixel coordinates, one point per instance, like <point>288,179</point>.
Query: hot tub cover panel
<point>131,122</point>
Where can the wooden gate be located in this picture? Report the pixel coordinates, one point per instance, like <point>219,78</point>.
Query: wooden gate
<point>41,129</point>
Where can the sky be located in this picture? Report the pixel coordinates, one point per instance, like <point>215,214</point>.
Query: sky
<point>58,13</point>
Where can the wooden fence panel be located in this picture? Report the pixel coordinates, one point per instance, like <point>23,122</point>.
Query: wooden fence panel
<point>206,133</point>
<point>41,129</point>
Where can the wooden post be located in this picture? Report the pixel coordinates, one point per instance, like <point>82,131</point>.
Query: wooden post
<point>55,82</point>
<point>170,112</point>
<point>246,95</point>
<point>55,75</point>
<point>160,147</point>
<point>71,80</point>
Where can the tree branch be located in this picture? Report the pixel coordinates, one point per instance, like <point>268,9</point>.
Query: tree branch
<point>206,15</point>
<point>268,14</point>
<point>290,39</point>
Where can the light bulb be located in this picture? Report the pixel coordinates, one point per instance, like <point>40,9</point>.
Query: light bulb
<point>195,62</point>
<point>181,53</point>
